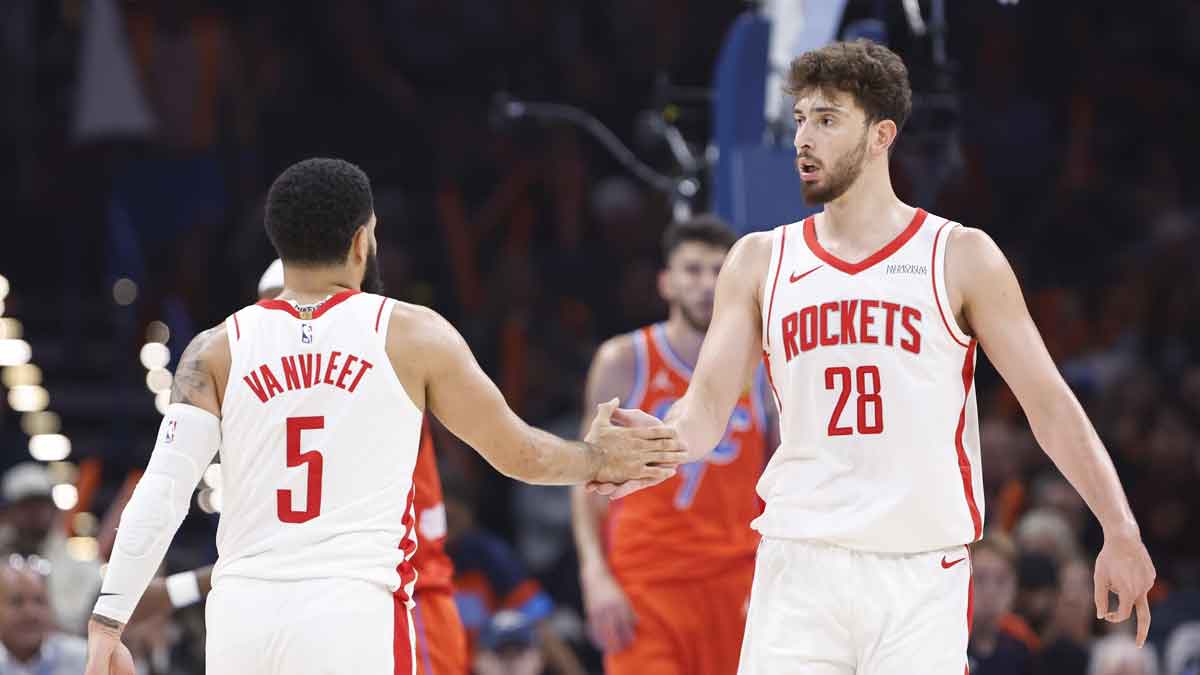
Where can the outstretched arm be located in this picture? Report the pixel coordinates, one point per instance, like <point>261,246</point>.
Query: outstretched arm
<point>467,402</point>
<point>187,440</point>
<point>732,348</point>
<point>994,310</point>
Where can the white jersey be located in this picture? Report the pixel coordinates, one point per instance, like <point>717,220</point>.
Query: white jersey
<point>318,444</point>
<point>873,377</point>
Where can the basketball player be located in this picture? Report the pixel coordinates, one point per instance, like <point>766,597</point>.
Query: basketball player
<point>869,315</point>
<point>668,593</point>
<point>315,401</point>
<point>441,639</point>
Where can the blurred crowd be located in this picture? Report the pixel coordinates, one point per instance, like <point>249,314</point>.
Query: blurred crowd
<point>139,138</point>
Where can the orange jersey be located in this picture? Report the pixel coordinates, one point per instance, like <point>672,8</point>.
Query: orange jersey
<point>434,569</point>
<point>698,522</point>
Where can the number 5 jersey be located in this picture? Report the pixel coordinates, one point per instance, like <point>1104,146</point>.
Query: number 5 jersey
<point>319,442</point>
<point>873,377</point>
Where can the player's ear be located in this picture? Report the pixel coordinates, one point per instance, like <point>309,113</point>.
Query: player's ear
<point>883,135</point>
<point>361,244</point>
<point>664,286</point>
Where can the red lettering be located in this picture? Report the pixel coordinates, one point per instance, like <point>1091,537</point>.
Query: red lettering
<point>865,319</point>
<point>913,344</point>
<point>255,386</point>
<point>808,328</point>
<point>827,339</point>
<point>306,369</point>
<point>329,368</point>
<point>848,308</point>
<point>345,371</point>
<point>790,324</point>
<point>289,372</point>
<point>273,386</point>
<point>366,365</point>
<point>890,308</point>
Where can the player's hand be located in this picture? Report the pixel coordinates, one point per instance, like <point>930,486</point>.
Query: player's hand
<point>633,452</point>
<point>610,617</point>
<point>106,654</point>
<point>1124,567</point>
<point>619,490</point>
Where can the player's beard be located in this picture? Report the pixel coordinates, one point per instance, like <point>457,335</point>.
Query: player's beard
<point>372,281</point>
<point>839,178</point>
<point>698,322</point>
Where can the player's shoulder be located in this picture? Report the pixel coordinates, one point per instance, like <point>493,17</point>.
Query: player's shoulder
<point>408,319</point>
<point>209,343</point>
<point>751,254</point>
<point>619,351</point>
<point>969,247</point>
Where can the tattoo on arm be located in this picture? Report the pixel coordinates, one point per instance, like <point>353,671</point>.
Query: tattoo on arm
<point>191,379</point>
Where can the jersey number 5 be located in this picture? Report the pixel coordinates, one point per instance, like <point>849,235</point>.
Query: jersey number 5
<point>283,498</point>
<point>870,404</point>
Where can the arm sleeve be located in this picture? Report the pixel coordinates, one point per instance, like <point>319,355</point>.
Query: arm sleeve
<point>187,441</point>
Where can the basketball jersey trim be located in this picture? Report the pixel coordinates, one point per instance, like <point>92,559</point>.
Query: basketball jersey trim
<point>658,334</point>
<point>379,314</point>
<point>964,461</point>
<point>641,368</point>
<point>940,294</point>
<point>810,238</point>
<point>758,399</point>
<point>328,304</point>
<point>237,330</point>
<point>774,284</point>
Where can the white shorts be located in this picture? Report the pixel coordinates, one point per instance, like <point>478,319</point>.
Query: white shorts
<point>312,627</point>
<point>817,609</point>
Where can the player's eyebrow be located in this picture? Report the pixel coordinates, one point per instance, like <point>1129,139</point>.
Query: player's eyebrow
<point>820,109</point>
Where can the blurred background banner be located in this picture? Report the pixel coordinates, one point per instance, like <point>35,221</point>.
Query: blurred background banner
<point>526,156</point>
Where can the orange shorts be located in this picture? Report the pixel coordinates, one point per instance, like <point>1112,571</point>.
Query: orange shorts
<point>688,628</point>
<point>441,640</point>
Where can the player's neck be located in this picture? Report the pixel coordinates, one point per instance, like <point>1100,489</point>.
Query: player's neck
<point>684,340</point>
<point>309,285</point>
<point>869,212</point>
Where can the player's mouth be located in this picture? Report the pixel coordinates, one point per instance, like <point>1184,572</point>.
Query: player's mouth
<point>809,170</point>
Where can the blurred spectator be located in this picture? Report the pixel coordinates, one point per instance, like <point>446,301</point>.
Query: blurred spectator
<point>32,526</point>
<point>1119,655</point>
<point>1037,589</point>
<point>1001,643</point>
<point>1046,531</point>
<point>1068,636</point>
<point>29,644</point>
<point>508,646</point>
<point>490,579</point>
<point>1052,492</point>
<point>1183,650</point>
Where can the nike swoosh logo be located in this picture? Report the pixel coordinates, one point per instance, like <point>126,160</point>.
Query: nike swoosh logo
<point>797,277</point>
<point>948,565</point>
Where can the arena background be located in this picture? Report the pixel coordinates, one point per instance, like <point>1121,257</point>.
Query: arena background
<point>137,140</point>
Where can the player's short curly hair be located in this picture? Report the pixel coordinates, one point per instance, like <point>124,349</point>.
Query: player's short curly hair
<point>314,208</point>
<point>705,228</point>
<point>872,74</point>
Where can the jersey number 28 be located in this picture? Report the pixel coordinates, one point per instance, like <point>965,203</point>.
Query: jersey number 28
<point>870,403</point>
<point>283,498</point>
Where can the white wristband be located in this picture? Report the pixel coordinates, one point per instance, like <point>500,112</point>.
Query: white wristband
<point>183,589</point>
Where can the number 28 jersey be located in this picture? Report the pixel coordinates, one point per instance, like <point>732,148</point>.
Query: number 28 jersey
<point>318,444</point>
<point>873,377</point>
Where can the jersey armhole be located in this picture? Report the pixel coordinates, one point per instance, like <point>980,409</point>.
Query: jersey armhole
<point>641,370</point>
<point>938,275</point>
<point>778,242</point>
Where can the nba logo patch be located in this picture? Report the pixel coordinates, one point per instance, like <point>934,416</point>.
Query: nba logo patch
<point>306,333</point>
<point>169,436</point>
